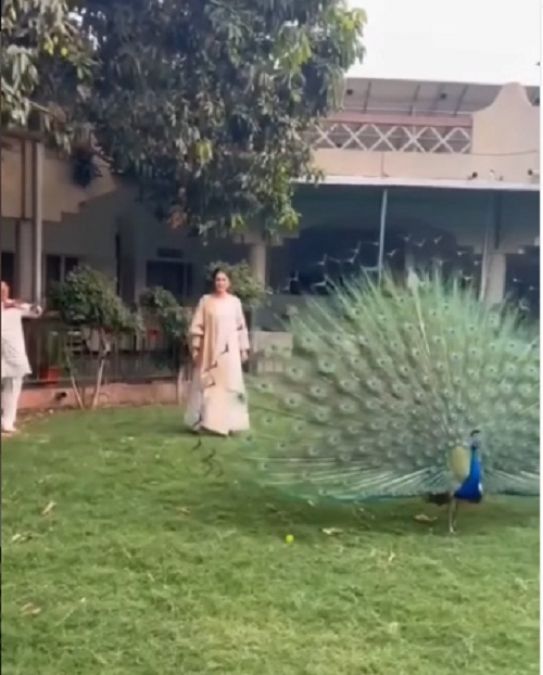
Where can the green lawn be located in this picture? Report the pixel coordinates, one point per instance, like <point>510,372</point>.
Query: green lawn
<point>143,565</point>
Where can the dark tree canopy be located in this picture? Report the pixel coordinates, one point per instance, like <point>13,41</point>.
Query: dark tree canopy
<point>205,102</point>
<point>46,60</point>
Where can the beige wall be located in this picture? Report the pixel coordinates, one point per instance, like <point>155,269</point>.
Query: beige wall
<point>90,236</point>
<point>505,146</point>
<point>84,223</point>
<point>60,194</point>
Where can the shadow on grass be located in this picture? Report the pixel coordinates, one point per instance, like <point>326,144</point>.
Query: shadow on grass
<point>223,501</point>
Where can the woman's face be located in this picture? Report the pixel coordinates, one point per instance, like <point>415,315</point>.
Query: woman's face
<point>222,283</point>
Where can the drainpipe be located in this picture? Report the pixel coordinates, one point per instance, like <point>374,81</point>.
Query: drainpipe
<point>37,221</point>
<point>382,232</point>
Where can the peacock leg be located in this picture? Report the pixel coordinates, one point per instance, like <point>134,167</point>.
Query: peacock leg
<point>453,512</point>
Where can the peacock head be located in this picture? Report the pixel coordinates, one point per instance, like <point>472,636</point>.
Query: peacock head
<point>475,440</point>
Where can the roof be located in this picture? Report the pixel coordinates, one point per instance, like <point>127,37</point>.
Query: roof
<point>419,97</point>
<point>435,183</point>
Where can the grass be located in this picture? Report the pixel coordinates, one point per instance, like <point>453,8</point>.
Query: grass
<point>143,565</point>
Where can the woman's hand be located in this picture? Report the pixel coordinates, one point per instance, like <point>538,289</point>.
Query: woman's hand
<point>244,356</point>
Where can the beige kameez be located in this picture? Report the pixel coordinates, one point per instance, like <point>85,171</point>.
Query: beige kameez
<point>15,365</point>
<point>217,399</point>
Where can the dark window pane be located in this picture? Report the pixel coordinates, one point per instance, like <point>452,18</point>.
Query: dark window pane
<point>70,264</point>
<point>174,277</point>
<point>8,267</point>
<point>167,275</point>
<point>53,267</point>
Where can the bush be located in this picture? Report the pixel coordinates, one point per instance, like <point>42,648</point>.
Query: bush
<point>173,319</point>
<point>159,304</point>
<point>87,300</point>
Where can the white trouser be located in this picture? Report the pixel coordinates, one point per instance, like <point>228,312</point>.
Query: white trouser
<point>11,390</point>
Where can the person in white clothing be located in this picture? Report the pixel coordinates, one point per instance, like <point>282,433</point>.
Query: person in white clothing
<point>15,363</point>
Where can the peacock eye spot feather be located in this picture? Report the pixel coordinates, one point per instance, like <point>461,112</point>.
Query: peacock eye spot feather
<point>264,387</point>
<point>292,401</point>
<point>326,367</point>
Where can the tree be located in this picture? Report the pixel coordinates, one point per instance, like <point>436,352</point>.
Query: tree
<point>87,301</point>
<point>46,60</point>
<point>206,102</point>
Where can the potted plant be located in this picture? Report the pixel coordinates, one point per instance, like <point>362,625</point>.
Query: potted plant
<point>50,370</point>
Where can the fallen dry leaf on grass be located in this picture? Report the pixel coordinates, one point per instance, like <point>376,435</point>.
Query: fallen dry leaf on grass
<point>331,531</point>
<point>30,609</point>
<point>20,537</point>
<point>48,509</point>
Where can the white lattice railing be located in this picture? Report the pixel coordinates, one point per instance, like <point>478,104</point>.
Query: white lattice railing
<point>387,133</point>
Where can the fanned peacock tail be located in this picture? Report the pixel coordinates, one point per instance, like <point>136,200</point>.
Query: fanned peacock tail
<point>384,386</point>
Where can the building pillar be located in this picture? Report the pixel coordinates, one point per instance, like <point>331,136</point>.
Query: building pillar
<point>258,260</point>
<point>37,222</point>
<point>24,260</point>
<point>495,278</point>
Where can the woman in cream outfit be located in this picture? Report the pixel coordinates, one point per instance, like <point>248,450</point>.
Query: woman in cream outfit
<point>219,344</point>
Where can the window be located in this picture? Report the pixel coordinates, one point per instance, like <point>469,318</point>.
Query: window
<point>8,268</point>
<point>57,268</point>
<point>173,276</point>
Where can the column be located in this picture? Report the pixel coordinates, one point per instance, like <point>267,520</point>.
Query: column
<point>24,260</point>
<point>37,221</point>
<point>140,254</point>
<point>257,260</point>
<point>495,278</point>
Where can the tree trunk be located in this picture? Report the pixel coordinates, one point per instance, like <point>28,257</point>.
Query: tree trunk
<point>78,393</point>
<point>102,358</point>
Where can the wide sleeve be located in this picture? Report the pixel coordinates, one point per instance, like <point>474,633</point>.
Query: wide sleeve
<point>31,311</point>
<point>241,327</point>
<point>197,327</point>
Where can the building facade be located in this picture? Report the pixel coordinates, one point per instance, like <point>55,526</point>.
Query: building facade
<point>414,173</point>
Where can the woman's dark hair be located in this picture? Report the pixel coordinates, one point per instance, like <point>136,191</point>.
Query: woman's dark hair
<point>217,271</point>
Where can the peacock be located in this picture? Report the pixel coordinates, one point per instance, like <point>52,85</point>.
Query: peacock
<point>400,389</point>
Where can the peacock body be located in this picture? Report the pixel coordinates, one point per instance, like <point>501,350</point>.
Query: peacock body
<point>401,390</point>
